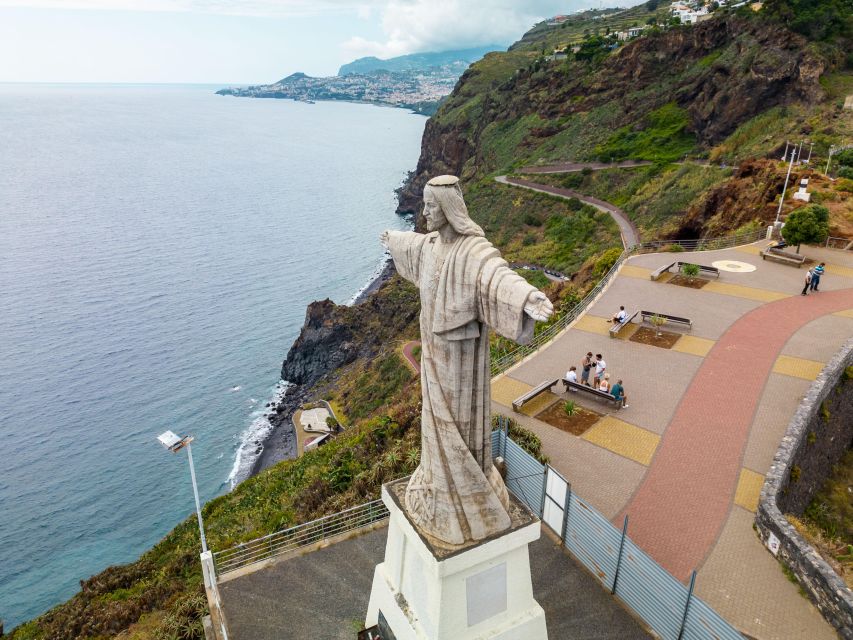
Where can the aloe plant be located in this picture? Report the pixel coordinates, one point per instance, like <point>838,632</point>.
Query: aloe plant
<point>569,407</point>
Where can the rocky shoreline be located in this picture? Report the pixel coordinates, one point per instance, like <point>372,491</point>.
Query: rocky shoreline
<point>280,444</point>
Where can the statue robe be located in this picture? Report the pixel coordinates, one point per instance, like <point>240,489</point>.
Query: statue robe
<point>456,494</point>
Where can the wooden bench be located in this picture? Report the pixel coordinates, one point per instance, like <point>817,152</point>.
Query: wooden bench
<point>647,315</point>
<point>654,275</point>
<point>617,326</point>
<point>535,391</point>
<point>601,395</point>
<point>785,257</point>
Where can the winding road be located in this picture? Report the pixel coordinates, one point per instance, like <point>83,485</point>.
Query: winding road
<point>628,230</point>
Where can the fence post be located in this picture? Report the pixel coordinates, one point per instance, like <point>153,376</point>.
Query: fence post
<point>619,559</point>
<point>566,506</point>
<point>544,490</point>
<point>687,605</point>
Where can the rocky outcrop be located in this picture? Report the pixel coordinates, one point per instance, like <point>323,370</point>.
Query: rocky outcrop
<point>335,335</point>
<point>722,72</point>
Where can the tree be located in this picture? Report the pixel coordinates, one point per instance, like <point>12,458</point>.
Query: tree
<point>810,224</point>
<point>651,5</point>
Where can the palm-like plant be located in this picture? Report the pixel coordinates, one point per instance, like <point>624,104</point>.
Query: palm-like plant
<point>657,322</point>
<point>569,407</point>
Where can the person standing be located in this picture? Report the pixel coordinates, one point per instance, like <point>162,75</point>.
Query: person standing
<point>808,282</point>
<point>600,366</point>
<point>817,272</point>
<point>587,364</point>
<point>618,392</point>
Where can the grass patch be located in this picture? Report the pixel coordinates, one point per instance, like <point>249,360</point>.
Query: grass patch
<point>663,138</point>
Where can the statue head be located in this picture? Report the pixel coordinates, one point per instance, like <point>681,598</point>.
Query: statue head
<point>443,204</point>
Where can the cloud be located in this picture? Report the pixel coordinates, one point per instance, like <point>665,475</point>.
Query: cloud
<point>438,25</point>
<point>260,8</point>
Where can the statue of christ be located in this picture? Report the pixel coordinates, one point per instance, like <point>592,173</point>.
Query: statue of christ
<point>456,494</point>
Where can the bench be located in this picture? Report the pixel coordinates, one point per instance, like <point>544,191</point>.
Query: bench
<point>617,326</point>
<point>647,315</point>
<point>785,257</point>
<point>535,391</point>
<point>654,275</point>
<point>601,395</point>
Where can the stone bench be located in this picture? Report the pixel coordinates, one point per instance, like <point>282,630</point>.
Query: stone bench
<point>535,391</point>
<point>785,257</point>
<point>597,393</point>
<point>617,326</point>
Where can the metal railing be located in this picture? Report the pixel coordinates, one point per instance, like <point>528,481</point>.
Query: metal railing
<point>845,244</point>
<point>302,535</point>
<point>669,607</point>
<point>508,359</point>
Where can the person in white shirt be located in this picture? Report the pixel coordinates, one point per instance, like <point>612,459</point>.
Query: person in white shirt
<point>571,376</point>
<point>600,366</point>
<point>619,318</point>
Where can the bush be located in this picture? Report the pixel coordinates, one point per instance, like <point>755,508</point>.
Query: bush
<point>846,172</point>
<point>605,262</point>
<point>690,270</point>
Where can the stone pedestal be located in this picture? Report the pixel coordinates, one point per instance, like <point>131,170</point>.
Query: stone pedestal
<point>424,591</point>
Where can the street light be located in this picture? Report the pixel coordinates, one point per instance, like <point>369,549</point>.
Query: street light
<point>175,443</point>
<point>782,197</point>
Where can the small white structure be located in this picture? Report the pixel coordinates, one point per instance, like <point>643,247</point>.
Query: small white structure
<point>314,420</point>
<point>423,592</point>
<point>802,194</point>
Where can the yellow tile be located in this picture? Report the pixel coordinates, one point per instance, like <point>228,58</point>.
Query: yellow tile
<point>750,248</point>
<point>506,389</point>
<point>845,314</point>
<point>625,439</point>
<point>739,291</point>
<point>539,403</point>
<point>631,271</point>
<point>593,324</point>
<point>628,331</point>
<point>748,488</point>
<point>693,345</point>
<point>797,367</point>
<point>838,270</point>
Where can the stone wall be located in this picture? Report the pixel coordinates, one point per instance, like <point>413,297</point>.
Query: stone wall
<point>818,435</point>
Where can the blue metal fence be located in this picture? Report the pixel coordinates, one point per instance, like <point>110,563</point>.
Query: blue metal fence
<point>666,605</point>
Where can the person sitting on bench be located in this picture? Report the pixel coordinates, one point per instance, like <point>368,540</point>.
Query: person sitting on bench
<point>571,376</point>
<point>619,318</point>
<point>618,391</point>
<point>604,385</point>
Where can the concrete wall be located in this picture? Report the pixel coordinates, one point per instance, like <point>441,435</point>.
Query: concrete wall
<point>818,435</point>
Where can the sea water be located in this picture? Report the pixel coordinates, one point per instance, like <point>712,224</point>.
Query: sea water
<point>158,247</point>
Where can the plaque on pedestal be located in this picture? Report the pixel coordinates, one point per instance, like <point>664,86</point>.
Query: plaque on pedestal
<point>426,590</point>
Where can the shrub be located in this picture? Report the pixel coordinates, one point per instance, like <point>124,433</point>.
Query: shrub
<point>605,262</point>
<point>657,322</point>
<point>569,408</point>
<point>810,224</point>
<point>846,172</point>
<point>690,270</point>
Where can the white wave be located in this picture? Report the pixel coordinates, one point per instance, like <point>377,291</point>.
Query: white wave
<point>252,438</point>
<point>380,267</point>
<point>237,388</point>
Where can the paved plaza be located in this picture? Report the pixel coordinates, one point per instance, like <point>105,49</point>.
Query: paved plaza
<point>686,460</point>
<point>324,595</point>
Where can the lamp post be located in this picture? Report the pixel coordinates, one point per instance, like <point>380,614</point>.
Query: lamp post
<point>828,160</point>
<point>782,197</point>
<point>175,443</point>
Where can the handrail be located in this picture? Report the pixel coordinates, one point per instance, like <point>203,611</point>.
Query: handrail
<point>504,362</point>
<point>302,535</point>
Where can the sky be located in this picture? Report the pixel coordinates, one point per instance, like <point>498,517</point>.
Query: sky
<point>243,41</point>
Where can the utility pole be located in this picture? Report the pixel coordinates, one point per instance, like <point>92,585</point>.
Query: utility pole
<point>828,160</point>
<point>799,151</point>
<point>782,198</point>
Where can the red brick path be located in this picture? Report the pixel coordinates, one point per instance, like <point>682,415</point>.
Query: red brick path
<point>679,510</point>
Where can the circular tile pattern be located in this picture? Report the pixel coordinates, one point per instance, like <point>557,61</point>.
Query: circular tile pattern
<point>734,266</point>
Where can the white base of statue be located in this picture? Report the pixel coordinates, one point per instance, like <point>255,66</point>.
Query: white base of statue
<point>481,590</point>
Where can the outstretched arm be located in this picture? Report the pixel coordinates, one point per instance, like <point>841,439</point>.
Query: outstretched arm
<point>405,249</point>
<point>538,306</point>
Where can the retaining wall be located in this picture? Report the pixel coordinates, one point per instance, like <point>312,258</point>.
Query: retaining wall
<point>818,436</point>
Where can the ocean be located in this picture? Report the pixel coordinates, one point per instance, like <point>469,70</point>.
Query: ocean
<point>158,247</point>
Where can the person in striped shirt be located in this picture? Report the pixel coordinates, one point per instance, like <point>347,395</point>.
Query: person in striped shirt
<point>817,272</point>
